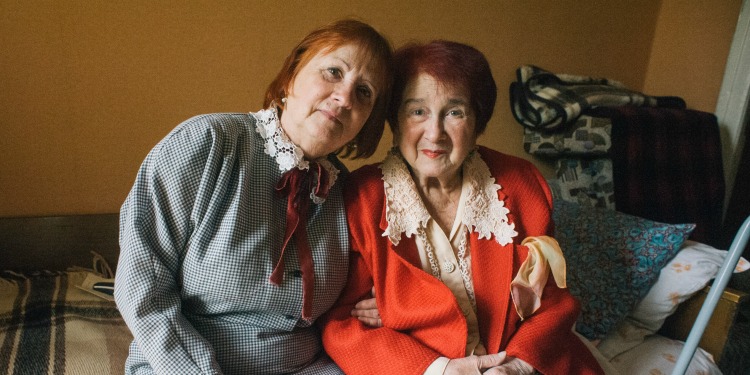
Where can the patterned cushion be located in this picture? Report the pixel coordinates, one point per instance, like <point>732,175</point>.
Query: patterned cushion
<point>613,260</point>
<point>686,274</point>
<point>588,136</point>
<point>586,182</point>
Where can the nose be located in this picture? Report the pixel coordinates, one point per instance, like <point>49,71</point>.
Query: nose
<point>434,130</point>
<point>342,94</point>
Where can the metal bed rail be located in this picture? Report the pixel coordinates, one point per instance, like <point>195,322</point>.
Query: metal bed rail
<point>712,299</point>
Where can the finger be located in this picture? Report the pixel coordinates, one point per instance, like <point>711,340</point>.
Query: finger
<point>517,366</point>
<point>373,292</point>
<point>366,304</point>
<point>370,313</point>
<point>490,360</point>
<point>372,322</point>
<point>499,370</point>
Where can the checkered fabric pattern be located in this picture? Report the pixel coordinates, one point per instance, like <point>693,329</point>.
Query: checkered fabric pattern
<point>543,100</point>
<point>199,233</point>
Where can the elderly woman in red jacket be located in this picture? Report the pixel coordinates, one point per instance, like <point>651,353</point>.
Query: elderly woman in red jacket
<point>452,239</point>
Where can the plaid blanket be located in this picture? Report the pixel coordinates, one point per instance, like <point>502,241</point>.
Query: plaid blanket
<point>667,166</point>
<point>544,101</point>
<point>49,324</point>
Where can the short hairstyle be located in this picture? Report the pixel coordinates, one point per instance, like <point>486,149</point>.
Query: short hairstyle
<point>451,64</point>
<point>325,39</point>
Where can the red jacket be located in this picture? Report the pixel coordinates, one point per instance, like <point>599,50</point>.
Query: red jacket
<point>421,318</point>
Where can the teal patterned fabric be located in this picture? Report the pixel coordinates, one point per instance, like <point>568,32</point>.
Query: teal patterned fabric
<point>613,259</point>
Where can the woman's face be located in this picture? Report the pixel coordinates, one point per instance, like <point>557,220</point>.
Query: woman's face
<point>330,100</point>
<point>435,128</point>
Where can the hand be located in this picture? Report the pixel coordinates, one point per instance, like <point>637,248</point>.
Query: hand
<point>513,366</point>
<point>366,311</point>
<point>474,364</point>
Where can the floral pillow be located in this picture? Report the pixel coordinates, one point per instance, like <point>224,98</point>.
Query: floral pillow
<point>687,273</point>
<point>613,259</point>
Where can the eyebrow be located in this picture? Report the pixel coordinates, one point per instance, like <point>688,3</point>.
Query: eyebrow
<point>348,66</point>
<point>364,79</point>
<point>450,101</point>
<point>413,101</point>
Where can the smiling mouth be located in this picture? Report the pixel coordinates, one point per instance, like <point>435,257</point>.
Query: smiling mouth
<point>432,154</point>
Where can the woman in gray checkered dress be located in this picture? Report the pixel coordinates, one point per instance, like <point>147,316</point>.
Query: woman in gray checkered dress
<point>234,237</point>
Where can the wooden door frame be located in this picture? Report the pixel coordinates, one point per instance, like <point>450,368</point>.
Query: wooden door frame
<point>732,103</point>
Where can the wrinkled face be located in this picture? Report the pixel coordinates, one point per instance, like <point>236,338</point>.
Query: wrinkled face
<point>435,128</point>
<point>330,100</point>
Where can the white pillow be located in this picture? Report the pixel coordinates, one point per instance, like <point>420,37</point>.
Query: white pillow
<point>658,354</point>
<point>691,269</point>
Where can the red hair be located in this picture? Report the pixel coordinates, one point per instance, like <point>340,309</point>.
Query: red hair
<point>327,38</point>
<point>452,64</point>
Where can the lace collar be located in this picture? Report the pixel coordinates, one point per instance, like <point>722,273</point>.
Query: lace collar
<point>282,149</point>
<point>484,211</point>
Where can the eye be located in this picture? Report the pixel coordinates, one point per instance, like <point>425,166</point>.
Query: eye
<point>364,91</point>
<point>418,112</point>
<point>458,113</point>
<point>333,73</point>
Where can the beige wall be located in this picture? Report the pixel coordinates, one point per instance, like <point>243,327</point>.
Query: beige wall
<point>88,87</point>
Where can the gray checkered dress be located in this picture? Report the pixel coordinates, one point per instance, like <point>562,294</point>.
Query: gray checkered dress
<point>199,233</point>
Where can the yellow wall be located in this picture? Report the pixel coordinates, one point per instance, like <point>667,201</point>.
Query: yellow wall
<point>88,87</point>
<point>690,50</point>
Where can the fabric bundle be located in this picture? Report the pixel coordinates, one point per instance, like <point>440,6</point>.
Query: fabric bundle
<point>545,101</point>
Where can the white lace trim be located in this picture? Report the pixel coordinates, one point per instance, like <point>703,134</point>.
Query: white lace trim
<point>404,209</point>
<point>405,212</point>
<point>484,211</point>
<point>282,149</point>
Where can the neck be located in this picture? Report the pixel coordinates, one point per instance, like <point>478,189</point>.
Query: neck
<point>441,197</point>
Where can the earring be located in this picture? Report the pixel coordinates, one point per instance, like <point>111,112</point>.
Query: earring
<point>283,101</point>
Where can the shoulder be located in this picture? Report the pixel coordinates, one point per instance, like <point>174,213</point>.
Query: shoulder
<point>197,140</point>
<point>364,184</point>
<point>523,190</point>
<point>207,131</point>
<point>502,163</point>
<point>204,125</point>
<point>512,170</point>
<point>364,193</point>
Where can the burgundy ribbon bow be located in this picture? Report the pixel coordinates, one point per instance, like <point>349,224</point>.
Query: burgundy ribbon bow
<point>300,186</point>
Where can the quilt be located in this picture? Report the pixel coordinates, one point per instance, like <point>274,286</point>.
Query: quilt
<point>54,323</point>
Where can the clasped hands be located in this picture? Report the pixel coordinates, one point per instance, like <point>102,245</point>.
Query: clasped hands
<point>491,364</point>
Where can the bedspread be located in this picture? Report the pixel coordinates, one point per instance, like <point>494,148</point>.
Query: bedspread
<point>49,325</point>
